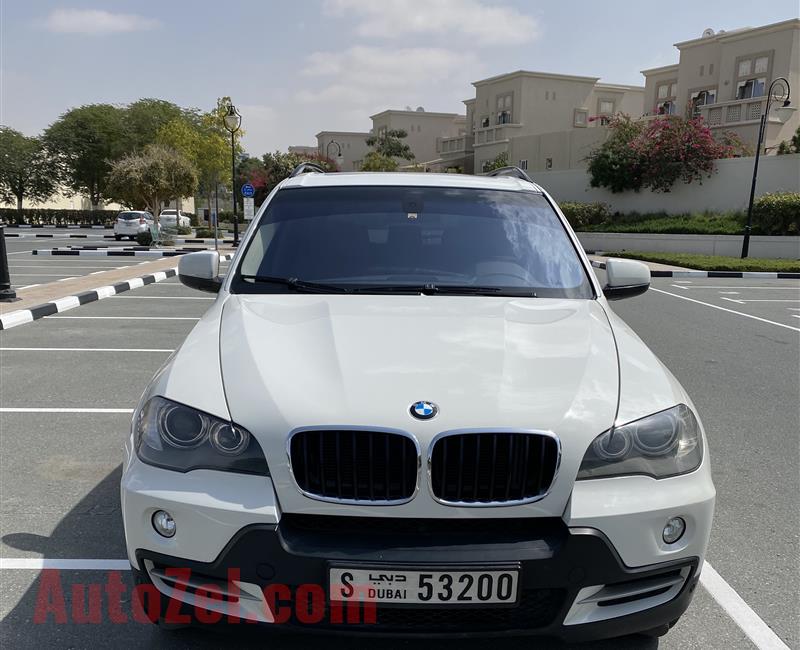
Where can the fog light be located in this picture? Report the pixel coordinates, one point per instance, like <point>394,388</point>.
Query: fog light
<point>164,523</point>
<point>673,530</point>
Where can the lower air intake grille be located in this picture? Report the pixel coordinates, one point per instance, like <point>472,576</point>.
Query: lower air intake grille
<point>355,465</point>
<point>483,468</point>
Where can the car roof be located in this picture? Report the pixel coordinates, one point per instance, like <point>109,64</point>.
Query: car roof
<point>406,179</point>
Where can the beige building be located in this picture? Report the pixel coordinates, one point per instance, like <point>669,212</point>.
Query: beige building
<point>724,77</point>
<point>62,201</point>
<point>424,128</point>
<point>549,118</point>
<point>347,148</point>
<point>303,150</point>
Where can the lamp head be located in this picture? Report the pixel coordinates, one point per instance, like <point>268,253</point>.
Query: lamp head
<point>232,119</point>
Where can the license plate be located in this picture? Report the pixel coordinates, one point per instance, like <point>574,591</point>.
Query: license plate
<point>496,586</point>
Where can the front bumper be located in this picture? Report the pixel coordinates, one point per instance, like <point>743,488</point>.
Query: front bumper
<point>573,584</point>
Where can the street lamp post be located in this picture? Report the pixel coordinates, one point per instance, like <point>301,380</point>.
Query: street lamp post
<point>233,121</point>
<point>779,91</point>
<point>338,148</point>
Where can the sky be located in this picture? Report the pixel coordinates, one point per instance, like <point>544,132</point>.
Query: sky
<point>296,68</point>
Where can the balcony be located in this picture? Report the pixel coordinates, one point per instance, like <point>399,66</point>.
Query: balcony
<point>454,147</point>
<point>498,133</point>
<point>735,113</point>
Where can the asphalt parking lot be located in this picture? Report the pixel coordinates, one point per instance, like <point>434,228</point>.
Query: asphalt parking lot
<point>28,270</point>
<point>734,344</point>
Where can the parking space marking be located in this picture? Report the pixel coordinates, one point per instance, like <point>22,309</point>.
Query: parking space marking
<point>65,564</point>
<point>124,317</point>
<point>750,623</point>
<point>32,349</point>
<point>731,311</point>
<point>730,286</point>
<point>163,297</point>
<point>13,409</point>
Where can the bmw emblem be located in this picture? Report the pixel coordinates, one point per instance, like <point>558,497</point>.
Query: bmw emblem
<point>423,410</point>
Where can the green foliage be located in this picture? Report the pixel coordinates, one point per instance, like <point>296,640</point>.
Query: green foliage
<point>389,144</point>
<point>658,153</point>
<point>34,216</point>
<point>152,177</point>
<point>777,214</point>
<point>26,171</point>
<point>790,146</point>
<point>144,238</point>
<point>712,262</point>
<point>83,142</point>
<point>583,215</point>
<point>279,165</point>
<point>698,223</point>
<point>204,233</point>
<point>144,119</point>
<point>501,160</point>
<point>184,230</point>
<point>378,162</point>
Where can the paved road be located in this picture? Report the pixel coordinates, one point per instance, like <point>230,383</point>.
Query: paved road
<point>59,472</point>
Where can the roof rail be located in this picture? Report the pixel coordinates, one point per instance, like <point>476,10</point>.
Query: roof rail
<point>512,170</point>
<point>305,168</point>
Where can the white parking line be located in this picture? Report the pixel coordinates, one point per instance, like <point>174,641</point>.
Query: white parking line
<point>163,297</point>
<point>123,317</point>
<point>37,564</point>
<point>11,409</point>
<point>750,623</point>
<point>85,350</point>
<point>731,286</point>
<point>28,286</point>
<point>730,311</point>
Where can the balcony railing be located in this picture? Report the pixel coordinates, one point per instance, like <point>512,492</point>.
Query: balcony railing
<point>499,133</point>
<point>455,145</point>
<point>738,111</point>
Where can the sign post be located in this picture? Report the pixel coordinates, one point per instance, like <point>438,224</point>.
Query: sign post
<point>248,192</point>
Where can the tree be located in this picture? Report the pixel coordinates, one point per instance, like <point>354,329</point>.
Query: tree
<point>145,118</point>
<point>83,143</point>
<point>151,177</point>
<point>378,162</point>
<point>790,146</point>
<point>279,165</point>
<point>658,153</point>
<point>390,144</point>
<point>501,160</point>
<point>26,171</point>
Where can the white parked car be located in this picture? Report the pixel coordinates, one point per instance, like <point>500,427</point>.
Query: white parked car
<point>411,391</point>
<point>172,219</point>
<point>130,223</point>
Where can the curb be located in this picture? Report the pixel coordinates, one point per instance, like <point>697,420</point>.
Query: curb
<point>716,274</point>
<point>111,252</point>
<point>22,316</point>
<point>187,240</point>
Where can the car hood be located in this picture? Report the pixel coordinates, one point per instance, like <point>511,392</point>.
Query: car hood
<point>292,361</point>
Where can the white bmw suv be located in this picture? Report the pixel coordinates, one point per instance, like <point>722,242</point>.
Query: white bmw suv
<point>411,410</point>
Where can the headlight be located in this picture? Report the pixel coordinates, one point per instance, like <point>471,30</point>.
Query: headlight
<point>664,444</point>
<point>178,437</point>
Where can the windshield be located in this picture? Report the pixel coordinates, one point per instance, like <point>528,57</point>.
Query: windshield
<point>387,239</point>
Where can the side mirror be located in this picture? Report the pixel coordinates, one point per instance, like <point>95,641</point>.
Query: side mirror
<point>626,278</point>
<point>200,271</point>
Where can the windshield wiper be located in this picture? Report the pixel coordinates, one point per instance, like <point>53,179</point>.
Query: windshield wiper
<point>297,285</point>
<point>447,289</point>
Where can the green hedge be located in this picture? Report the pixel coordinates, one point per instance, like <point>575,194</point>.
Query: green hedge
<point>35,216</point>
<point>712,262</point>
<point>777,214</point>
<point>583,215</point>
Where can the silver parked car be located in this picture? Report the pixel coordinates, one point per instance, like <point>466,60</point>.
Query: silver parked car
<point>131,222</point>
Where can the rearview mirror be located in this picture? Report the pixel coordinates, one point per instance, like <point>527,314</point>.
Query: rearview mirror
<point>200,271</point>
<point>626,278</point>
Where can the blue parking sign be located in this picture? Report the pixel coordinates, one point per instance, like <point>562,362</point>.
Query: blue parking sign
<point>248,190</point>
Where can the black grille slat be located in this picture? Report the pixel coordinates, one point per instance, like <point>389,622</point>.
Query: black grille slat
<point>354,465</point>
<point>493,467</point>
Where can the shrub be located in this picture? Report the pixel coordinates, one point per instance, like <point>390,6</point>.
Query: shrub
<point>583,215</point>
<point>204,233</point>
<point>144,238</point>
<point>50,217</point>
<point>501,160</point>
<point>777,213</point>
<point>790,146</point>
<point>184,230</point>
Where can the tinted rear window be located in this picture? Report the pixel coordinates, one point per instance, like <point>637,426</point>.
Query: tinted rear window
<point>355,236</point>
<point>128,216</point>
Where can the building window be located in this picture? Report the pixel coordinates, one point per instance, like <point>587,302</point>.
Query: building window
<point>504,108</point>
<point>702,70</point>
<point>751,88</point>
<point>485,122</point>
<point>553,95</point>
<point>580,117</point>
<point>523,164</point>
<point>761,64</point>
<point>702,98</point>
<point>666,94</point>
<point>745,67</point>
<point>546,95</point>
<point>710,68</point>
<point>548,163</point>
<point>606,107</point>
<point>663,91</point>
